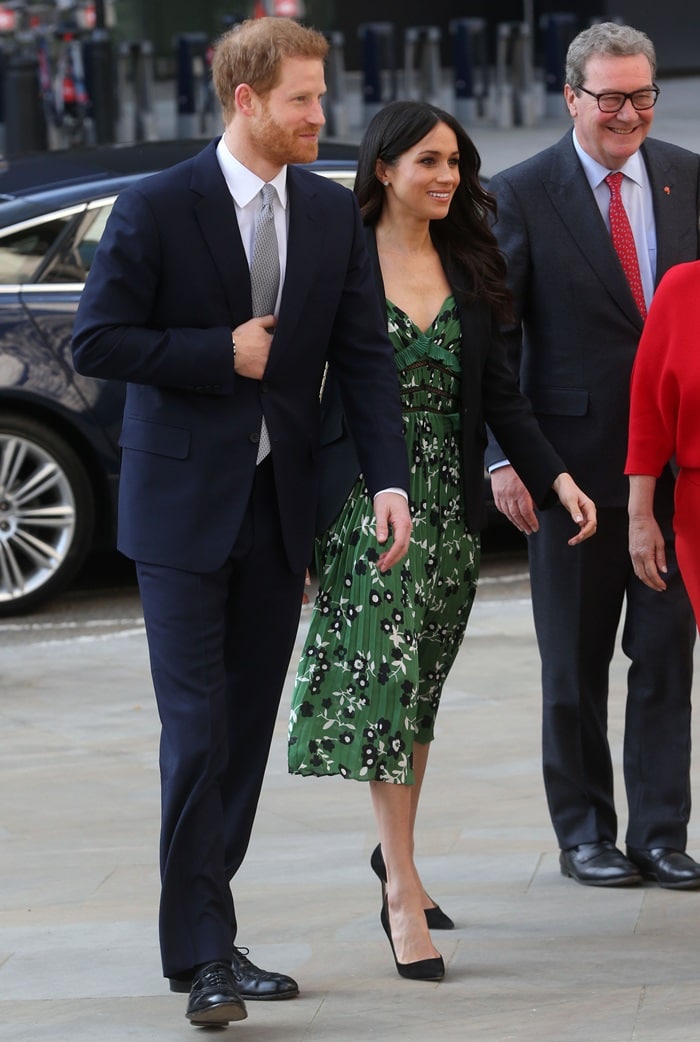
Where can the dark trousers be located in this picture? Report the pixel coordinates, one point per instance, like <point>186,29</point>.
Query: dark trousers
<point>578,595</point>
<point>687,541</point>
<point>219,646</point>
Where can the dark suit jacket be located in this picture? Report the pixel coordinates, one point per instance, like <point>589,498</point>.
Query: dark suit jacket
<point>169,282</point>
<point>489,393</point>
<point>580,324</point>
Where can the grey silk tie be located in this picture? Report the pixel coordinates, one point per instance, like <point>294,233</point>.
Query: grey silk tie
<point>265,277</point>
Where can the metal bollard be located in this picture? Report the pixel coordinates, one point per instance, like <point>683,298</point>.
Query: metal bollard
<point>25,126</point>
<point>135,83</point>
<point>558,31</point>
<point>422,69</point>
<point>143,91</point>
<point>378,66</point>
<point>502,106</point>
<point>526,107</point>
<point>336,107</point>
<point>100,79</point>
<point>470,67</point>
<point>3,77</point>
<point>191,84</point>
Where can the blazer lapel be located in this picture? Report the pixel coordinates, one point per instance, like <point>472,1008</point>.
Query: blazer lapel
<point>216,214</point>
<point>371,240</point>
<point>676,236</point>
<point>571,196</point>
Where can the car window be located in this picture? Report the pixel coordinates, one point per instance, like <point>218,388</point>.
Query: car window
<point>23,251</point>
<point>74,255</point>
<point>343,177</point>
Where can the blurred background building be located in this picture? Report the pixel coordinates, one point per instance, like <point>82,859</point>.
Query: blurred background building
<point>76,72</point>
<point>674,25</point>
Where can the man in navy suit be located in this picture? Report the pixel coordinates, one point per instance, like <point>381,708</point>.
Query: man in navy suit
<point>221,536</point>
<point>573,344</point>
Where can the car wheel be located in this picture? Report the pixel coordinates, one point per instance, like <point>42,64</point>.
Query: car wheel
<point>46,513</point>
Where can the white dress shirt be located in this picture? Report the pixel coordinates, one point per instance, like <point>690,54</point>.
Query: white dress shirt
<point>245,187</point>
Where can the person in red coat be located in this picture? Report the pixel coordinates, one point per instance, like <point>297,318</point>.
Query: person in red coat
<point>665,397</point>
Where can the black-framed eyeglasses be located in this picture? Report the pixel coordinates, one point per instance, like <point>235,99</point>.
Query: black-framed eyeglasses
<point>613,100</point>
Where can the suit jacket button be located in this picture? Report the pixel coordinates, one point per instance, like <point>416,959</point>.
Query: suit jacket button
<point>254,437</point>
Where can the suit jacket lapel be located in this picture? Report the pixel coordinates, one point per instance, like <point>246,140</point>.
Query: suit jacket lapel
<point>676,236</point>
<point>371,240</point>
<point>216,215</point>
<point>571,195</point>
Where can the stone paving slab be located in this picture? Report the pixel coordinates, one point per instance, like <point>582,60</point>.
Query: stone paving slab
<point>534,957</point>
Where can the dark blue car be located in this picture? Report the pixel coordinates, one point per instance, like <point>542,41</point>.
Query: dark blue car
<point>59,458</point>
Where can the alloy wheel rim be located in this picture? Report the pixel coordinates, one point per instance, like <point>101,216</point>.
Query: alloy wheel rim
<point>37,517</point>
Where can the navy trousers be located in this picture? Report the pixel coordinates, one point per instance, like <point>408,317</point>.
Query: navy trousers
<point>219,646</point>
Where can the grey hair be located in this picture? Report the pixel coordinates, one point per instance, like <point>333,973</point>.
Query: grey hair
<point>608,39</point>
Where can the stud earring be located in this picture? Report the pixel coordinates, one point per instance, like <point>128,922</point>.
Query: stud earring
<point>385,183</point>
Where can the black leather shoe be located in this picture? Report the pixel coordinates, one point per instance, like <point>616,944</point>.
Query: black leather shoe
<point>254,983</point>
<point>251,981</point>
<point>214,999</point>
<point>672,869</point>
<point>434,917</point>
<point>599,864</point>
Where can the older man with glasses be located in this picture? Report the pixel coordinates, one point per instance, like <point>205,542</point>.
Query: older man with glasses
<point>589,226</point>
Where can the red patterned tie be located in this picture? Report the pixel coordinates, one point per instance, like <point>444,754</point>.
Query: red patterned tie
<point>623,241</point>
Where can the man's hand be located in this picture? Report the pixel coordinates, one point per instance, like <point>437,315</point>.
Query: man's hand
<point>513,499</point>
<point>391,511</point>
<point>580,506</point>
<point>648,551</point>
<point>253,341</point>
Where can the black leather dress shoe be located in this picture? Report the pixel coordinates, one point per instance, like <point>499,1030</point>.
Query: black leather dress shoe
<point>214,1000</point>
<point>598,864</point>
<point>672,869</point>
<point>251,982</point>
<point>254,983</point>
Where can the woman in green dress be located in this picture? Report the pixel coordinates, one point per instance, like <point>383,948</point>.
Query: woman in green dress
<point>380,645</point>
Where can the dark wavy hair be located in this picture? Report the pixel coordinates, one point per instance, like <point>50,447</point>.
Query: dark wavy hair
<point>464,240</point>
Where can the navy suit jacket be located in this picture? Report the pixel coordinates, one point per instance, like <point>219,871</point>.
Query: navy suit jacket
<point>168,284</point>
<point>580,326</point>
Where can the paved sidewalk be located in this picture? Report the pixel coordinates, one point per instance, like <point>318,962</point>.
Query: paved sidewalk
<point>535,957</point>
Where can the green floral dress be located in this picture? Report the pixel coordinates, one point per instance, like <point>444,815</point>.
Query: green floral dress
<point>379,647</point>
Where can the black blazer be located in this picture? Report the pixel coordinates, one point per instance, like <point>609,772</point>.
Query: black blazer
<point>489,394</point>
<point>577,327</point>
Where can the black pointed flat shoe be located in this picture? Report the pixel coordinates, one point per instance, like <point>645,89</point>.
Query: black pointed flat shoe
<point>434,916</point>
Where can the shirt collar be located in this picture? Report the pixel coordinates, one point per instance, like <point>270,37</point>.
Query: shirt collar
<point>242,183</point>
<point>596,172</point>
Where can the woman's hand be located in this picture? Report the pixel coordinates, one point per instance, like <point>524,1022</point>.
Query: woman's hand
<point>580,506</point>
<point>646,541</point>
